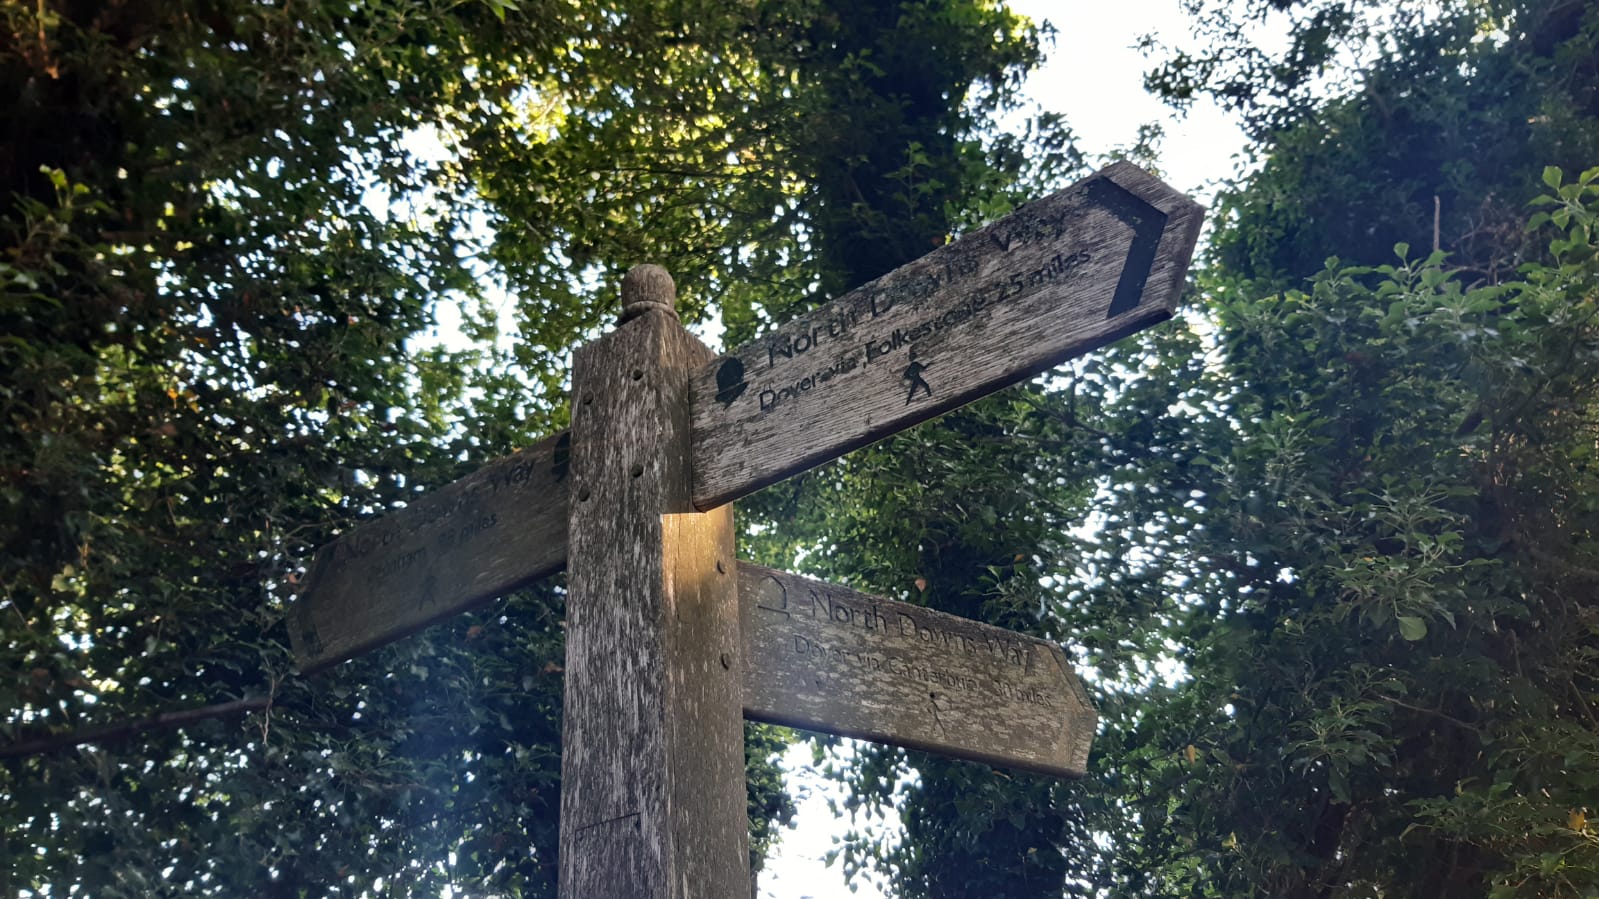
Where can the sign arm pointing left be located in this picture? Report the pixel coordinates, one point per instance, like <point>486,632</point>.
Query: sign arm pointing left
<point>495,530</point>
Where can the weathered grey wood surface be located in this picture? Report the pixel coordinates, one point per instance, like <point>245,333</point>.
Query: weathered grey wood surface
<point>1058,277</point>
<point>824,658</point>
<point>652,758</point>
<point>463,544</point>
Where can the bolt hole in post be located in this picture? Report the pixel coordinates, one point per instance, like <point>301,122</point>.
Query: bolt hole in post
<point>637,470</point>
<point>583,495</point>
<point>638,375</point>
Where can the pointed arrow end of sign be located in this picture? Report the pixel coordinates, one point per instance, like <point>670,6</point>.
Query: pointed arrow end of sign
<point>1165,226</point>
<point>1079,723</point>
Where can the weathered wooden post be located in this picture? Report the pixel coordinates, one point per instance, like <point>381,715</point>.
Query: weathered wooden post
<point>652,768</point>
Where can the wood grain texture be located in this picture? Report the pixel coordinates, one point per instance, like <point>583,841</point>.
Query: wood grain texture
<point>652,766</point>
<point>825,658</point>
<point>1057,278</point>
<point>461,545</point>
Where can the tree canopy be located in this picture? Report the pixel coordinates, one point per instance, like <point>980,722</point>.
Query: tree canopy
<point>1368,517</point>
<point>1325,547</point>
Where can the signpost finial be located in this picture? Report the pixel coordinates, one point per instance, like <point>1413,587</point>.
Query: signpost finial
<point>647,288</point>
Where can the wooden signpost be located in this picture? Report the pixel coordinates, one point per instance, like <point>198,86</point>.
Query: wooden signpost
<point>670,640</point>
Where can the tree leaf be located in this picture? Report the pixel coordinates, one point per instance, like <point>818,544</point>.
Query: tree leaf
<point>1411,627</point>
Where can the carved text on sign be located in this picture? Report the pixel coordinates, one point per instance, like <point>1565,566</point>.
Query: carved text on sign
<point>855,612</point>
<point>849,335</point>
<point>1054,279</point>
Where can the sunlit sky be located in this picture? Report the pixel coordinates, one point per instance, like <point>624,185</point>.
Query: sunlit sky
<point>1094,76</point>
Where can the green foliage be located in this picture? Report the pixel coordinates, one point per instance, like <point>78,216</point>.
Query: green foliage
<point>204,358</point>
<point>1380,637</point>
<point>1380,593</point>
<point>230,230</point>
<point>1435,133</point>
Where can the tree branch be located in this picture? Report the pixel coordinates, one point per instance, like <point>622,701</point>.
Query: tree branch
<point>1433,712</point>
<point>124,729</point>
<point>1560,562</point>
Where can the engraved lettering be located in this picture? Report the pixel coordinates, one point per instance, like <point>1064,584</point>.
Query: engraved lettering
<point>882,658</point>
<point>896,291</point>
<point>442,515</point>
<point>789,345</point>
<point>771,398</point>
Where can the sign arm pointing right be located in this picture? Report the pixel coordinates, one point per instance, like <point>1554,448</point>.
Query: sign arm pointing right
<point>1053,280</point>
<point>826,658</point>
